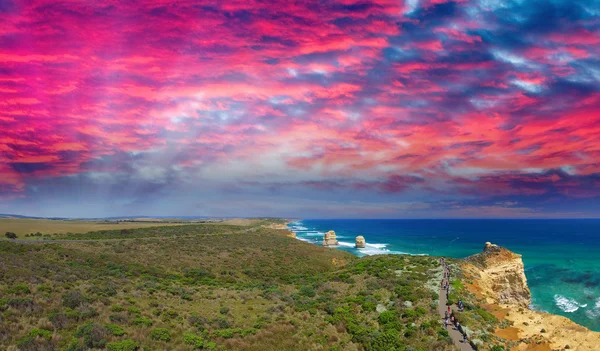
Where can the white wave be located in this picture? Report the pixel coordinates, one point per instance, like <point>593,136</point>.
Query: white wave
<point>345,244</point>
<point>299,228</point>
<point>594,313</point>
<point>566,304</point>
<point>313,234</point>
<point>377,246</point>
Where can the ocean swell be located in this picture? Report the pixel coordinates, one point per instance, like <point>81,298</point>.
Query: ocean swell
<point>566,304</point>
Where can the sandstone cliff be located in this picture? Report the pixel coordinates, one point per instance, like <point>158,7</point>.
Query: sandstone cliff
<point>329,239</point>
<point>498,277</point>
<point>501,276</point>
<point>360,242</point>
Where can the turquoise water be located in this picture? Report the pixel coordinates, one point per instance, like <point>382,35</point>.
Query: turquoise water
<point>561,256</point>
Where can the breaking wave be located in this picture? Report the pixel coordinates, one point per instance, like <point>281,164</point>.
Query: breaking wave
<point>566,304</point>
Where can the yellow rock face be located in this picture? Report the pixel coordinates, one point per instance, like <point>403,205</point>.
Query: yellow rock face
<point>360,242</point>
<point>498,276</point>
<point>329,239</point>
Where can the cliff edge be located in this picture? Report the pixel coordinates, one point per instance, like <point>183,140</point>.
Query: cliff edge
<point>498,277</point>
<point>501,276</point>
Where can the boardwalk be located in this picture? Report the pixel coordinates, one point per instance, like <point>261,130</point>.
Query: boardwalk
<point>454,334</point>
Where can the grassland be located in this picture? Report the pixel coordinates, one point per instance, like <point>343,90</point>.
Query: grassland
<point>214,287</point>
<point>26,226</point>
<point>22,226</point>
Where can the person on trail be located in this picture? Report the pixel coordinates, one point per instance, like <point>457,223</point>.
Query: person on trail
<point>456,325</point>
<point>464,337</point>
<point>446,314</point>
<point>446,322</point>
<point>448,309</point>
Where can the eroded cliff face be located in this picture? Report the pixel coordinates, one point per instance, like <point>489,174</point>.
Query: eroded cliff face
<point>498,276</point>
<point>501,276</point>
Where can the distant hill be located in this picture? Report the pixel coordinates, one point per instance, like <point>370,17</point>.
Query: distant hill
<point>4,215</point>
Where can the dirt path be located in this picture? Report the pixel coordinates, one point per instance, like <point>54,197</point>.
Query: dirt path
<point>454,334</point>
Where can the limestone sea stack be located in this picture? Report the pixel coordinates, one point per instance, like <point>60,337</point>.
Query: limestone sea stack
<point>329,239</point>
<point>360,242</point>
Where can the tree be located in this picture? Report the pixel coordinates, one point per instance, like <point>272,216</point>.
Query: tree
<point>10,235</point>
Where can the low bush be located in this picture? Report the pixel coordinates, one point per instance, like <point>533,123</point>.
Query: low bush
<point>123,345</point>
<point>160,334</point>
<point>94,335</point>
<point>194,340</point>
<point>115,329</point>
<point>142,322</point>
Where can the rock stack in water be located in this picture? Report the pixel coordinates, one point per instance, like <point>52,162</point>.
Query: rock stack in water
<point>329,239</point>
<point>360,242</point>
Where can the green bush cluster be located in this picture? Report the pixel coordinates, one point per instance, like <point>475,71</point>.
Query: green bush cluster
<point>123,345</point>
<point>160,334</point>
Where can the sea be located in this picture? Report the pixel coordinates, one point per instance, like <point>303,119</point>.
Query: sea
<point>561,256</point>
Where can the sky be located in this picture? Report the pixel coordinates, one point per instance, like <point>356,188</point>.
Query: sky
<point>304,109</point>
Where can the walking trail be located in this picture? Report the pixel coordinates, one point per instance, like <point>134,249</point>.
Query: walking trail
<point>454,334</point>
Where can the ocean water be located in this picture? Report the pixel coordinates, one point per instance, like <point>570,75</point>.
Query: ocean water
<point>561,256</point>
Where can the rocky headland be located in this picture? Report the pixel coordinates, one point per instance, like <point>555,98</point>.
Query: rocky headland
<point>497,277</point>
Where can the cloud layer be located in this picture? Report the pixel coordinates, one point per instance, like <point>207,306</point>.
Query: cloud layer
<point>350,108</point>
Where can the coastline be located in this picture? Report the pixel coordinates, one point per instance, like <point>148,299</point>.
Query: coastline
<point>529,329</point>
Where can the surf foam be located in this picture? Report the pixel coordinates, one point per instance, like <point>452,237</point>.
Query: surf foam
<point>566,304</point>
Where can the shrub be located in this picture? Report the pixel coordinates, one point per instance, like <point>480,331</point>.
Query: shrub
<point>10,235</point>
<point>44,288</point>
<point>194,340</point>
<point>497,348</point>
<point>94,335</point>
<point>59,320</point>
<point>142,322</point>
<point>73,299</point>
<point>117,308</point>
<point>307,291</point>
<point>115,329</point>
<point>118,318</point>
<point>74,345</point>
<point>227,333</point>
<point>19,289</point>
<point>133,310</point>
<point>123,345</point>
<point>387,317</point>
<point>160,334</point>
<point>43,333</point>
<point>224,310</point>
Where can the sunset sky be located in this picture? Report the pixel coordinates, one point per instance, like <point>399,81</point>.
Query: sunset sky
<point>381,108</point>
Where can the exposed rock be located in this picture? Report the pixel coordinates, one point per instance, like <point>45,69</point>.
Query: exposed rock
<point>498,276</point>
<point>329,239</point>
<point>502,275</point>
<point>292,235</point>
<point>360,242</point>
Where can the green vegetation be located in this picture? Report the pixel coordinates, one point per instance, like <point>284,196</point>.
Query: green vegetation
<point>212,287</point>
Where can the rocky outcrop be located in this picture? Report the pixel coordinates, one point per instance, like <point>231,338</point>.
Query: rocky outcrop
<point>497,275</point>
<point>360,242</point>
<point>502,276</point>
<point>329,239</point>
